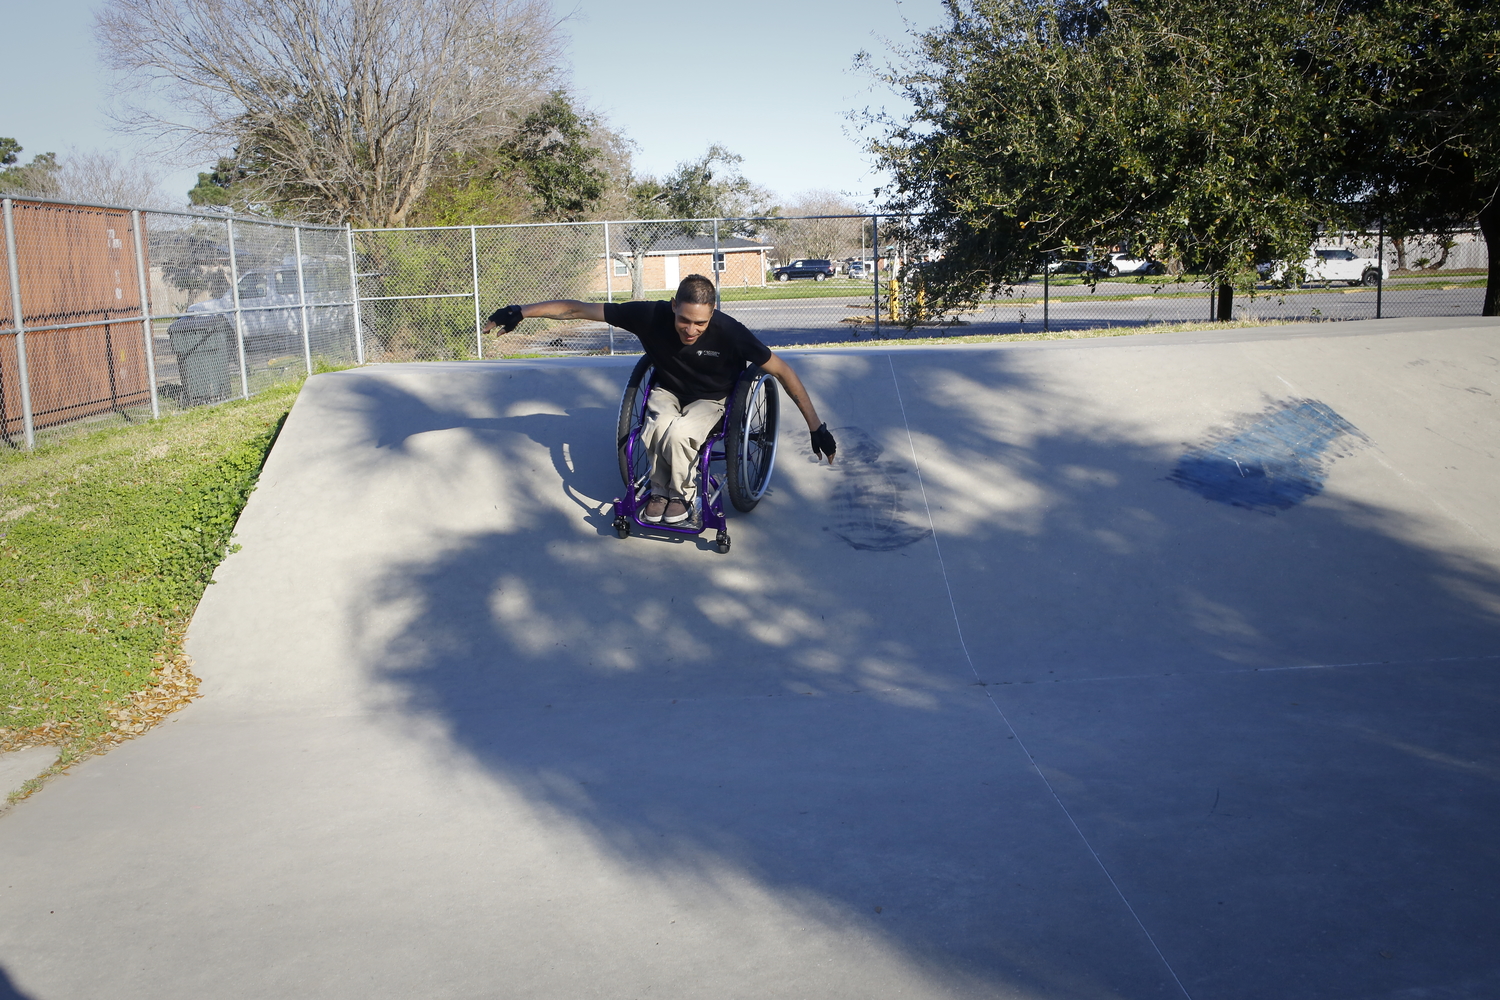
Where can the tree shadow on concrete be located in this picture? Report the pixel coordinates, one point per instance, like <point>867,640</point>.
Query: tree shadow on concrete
<point>804,713</point>
<point>8,989</point>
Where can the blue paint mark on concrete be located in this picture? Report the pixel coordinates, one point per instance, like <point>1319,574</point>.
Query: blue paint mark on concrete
<point>1272,460</point>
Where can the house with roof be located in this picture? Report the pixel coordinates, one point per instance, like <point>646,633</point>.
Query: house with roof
<point>674,256</point>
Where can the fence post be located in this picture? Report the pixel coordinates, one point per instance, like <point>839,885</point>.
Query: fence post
<point>1046,297</point>
<point>713,262</point>
<point>140,273</point>
<point>474,266</point>
<point>18,316</point>
<point>302,299</point>
<point>609,282</point>
<point>875,266</point>
<point>359,330</point>
<point>239,317</point>
<point>1380,268</point>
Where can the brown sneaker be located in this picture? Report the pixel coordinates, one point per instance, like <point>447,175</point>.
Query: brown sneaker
<point>655,508</point>
<point>676,511</point>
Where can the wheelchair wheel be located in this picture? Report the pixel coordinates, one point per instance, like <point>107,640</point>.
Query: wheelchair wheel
<point>632,410</point>
<point>750,439</point>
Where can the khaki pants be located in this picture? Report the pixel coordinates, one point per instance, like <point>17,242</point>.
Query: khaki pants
<point>673,435</point>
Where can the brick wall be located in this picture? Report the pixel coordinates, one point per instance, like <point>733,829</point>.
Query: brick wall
<point>742,268</point>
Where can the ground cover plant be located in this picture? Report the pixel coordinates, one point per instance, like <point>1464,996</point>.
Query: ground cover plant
<point>107,541</point>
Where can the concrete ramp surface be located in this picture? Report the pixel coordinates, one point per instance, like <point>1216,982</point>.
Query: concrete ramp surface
<point>1145,667</point>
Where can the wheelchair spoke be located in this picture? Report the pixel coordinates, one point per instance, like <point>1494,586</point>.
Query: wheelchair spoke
<point>753,436</point>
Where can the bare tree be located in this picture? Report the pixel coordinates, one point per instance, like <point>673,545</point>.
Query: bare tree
<point>101,178</point>
<point>337,109</point>
<point>107,179</point>
<point>815,237</point>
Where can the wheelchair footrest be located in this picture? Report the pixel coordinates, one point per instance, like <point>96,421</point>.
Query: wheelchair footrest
<point>629,514</point>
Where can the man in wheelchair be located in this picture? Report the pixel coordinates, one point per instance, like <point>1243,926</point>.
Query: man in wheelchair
<point>698,352</point>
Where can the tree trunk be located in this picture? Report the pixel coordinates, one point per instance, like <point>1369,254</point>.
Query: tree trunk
<point>1489,224</point>
<point>638,276</point>
<point>1226,301</point>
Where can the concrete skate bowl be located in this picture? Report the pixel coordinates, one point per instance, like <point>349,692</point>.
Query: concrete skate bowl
<point>1025,693</point>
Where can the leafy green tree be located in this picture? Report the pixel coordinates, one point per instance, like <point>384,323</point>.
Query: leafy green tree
<point>553,168</point>
<point>708,187</point>
<point>1197,131</point>
<point>37,177</point>
<point>228,185</point>
<point>556,152</point>
<point>1423,121</point>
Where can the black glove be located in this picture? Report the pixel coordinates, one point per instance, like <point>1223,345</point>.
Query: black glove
<point>823,443</point>
<point>507,319</point>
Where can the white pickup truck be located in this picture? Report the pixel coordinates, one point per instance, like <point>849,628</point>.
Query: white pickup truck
<point>1327,266</point>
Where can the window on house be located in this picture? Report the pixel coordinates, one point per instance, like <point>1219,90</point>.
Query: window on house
<point>622,270</point>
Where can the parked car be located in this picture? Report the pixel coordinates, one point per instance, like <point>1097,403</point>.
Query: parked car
<point>818,270</point>
<point>270,317</point>
<point>1062,265</point>
<point>269,311</point>
<point>1115,264</point>
<point>1327,266</point>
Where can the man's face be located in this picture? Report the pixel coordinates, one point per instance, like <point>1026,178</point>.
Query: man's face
<point>692,319</point>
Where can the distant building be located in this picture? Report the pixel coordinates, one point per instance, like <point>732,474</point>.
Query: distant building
<point>676,256</point>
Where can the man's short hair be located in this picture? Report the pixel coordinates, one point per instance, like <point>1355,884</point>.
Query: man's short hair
<point>697,290</point>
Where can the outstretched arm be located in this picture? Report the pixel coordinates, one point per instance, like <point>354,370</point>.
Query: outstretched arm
<point>822,439</point>
<point>556,309</point>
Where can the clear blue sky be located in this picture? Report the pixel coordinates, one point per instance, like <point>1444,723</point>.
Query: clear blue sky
<point>772,80</point>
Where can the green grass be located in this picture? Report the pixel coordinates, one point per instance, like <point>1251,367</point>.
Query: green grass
<point>833,288</point>
<point>1071,289</point>
<point>107,541</point>
<point>1062,290</point>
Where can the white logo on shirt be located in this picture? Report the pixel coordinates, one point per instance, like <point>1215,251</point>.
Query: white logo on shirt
<point>711,354</point>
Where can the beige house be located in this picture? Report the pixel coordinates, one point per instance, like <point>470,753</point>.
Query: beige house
<point>674,257</point>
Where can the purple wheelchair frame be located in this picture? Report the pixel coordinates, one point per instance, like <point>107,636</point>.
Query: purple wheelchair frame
<point>708,505</point>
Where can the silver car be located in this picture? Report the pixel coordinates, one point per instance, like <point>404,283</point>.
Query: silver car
<point>271,312</point>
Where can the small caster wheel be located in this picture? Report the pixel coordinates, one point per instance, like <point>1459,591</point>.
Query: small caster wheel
<point>723,542</point>
<point>622,526</point>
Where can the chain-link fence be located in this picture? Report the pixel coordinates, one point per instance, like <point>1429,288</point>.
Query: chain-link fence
<point>827,279</point>
<point>425,293</point>
<point>1341,279</point>
<point>111,313</point>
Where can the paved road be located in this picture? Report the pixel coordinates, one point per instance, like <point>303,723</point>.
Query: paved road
<point>807,321</point>
<point>803,322</point>
<point>1129,668</point>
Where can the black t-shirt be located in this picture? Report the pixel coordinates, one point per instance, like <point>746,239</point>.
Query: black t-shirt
<point>705,369</point>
